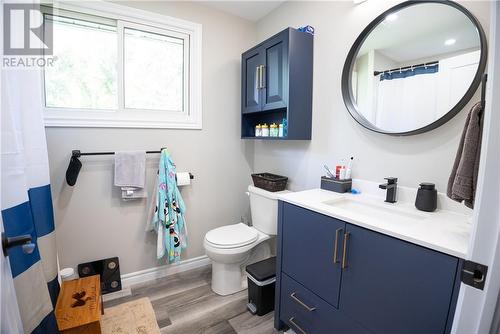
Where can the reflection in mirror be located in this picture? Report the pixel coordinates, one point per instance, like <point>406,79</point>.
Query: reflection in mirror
<point>415,66</point>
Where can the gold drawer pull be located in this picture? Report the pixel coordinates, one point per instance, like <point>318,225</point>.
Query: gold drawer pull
<point>296,326</point>
<point>344,255</point>
<point>301,303</point>
<point>336,246</point>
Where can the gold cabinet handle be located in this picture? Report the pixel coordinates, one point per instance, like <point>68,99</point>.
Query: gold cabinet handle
<point>257,76</point>
<point>336,246</point>
<point>301,303</point>
<point>262,76</point>
<point>344,255</point>
<point>296,326</point>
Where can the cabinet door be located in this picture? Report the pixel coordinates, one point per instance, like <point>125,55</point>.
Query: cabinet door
<point>303,310</point>
<point>275,73</point>
<point>391,286</point>
<point>251,94</point>
<point>308,249</point>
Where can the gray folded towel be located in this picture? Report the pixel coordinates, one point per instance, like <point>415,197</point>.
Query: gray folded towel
<point>130,169</point>
<point>130,174</point>
<point>463,178</point>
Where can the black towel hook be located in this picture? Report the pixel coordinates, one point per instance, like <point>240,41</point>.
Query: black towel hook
<point>483,90</point>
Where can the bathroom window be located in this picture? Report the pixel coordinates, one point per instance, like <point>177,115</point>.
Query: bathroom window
<point>155,83</point>
<point>118,67</point>
<point>81,78</point>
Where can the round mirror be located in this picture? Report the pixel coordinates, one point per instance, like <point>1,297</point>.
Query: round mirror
<point>414,67</point>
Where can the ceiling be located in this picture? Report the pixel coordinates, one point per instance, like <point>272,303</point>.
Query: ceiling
<point>420,32</point>
<point>249,10</point>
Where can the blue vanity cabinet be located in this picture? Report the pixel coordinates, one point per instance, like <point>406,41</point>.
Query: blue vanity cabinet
<point>276,85</point>
<point>392,286</point>
<point>308,233</point>
<point>304,311</point>
<point>374,284</point>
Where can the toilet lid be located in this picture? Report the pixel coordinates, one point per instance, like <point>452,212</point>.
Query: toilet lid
<point>232,236</point>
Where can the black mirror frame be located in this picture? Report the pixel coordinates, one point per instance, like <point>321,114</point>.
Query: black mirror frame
<point>349,63</point>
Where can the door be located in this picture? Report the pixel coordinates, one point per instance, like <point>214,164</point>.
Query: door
<point>391,286</point>
<point>252,64</point>
<point>275,73</point>
<point>10,319</point>
<point>309,240</point>
<point>478,311</point>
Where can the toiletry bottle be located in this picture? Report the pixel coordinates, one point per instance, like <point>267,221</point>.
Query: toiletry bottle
<point>426,197</point>
<point>285,127</point>
<point>273,130</point>
<point>265,130</point>
<point>337,171</point>
<point>258,130</point>
<point>342,173</point>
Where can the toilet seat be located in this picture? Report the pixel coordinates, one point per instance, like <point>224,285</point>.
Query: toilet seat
<point>232,236</point>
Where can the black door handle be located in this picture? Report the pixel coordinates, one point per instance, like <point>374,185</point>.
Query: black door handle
<point>22,240</point>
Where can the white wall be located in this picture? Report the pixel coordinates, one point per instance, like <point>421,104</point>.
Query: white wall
<point>92,222</point>
<point>425,157</point>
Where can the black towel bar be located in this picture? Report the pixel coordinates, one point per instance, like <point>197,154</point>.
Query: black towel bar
<point>75,164</point>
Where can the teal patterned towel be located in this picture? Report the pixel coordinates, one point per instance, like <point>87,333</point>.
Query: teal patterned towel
<point>168,217</point>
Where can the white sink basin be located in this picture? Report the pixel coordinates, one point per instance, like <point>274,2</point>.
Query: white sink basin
<point>375,210</point>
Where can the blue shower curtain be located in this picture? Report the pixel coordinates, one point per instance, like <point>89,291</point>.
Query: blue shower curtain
<point>26,202</point>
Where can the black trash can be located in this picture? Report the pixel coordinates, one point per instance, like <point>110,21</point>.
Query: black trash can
<point>261,278</point>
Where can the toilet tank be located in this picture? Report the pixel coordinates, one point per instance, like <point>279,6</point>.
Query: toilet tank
<point>264,209</point>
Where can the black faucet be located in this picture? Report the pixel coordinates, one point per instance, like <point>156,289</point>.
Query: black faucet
<point>392,187</point>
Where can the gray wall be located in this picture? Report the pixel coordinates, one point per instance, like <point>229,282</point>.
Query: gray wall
<point>426,157</point>
<point>92,222</point>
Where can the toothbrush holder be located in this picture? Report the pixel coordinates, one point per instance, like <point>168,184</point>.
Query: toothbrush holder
<point>336,185</point>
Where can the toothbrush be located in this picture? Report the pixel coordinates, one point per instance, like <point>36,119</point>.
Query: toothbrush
<point>328,171</point>
<point>349,168</point>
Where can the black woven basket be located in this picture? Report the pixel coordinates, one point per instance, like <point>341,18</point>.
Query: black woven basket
<point>269,182</point>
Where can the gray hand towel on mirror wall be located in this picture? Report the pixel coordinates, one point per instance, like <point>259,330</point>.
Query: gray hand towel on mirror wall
<point>463,178</point>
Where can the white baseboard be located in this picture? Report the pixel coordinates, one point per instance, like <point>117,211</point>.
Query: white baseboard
<point>117,294</point>
<point>163,271</point>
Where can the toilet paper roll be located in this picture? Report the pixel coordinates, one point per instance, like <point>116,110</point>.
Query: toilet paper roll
<point>183,179</point>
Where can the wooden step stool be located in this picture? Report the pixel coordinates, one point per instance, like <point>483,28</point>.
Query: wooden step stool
<point>79,306</point>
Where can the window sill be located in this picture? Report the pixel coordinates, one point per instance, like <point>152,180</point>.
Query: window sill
<point>106,120</point>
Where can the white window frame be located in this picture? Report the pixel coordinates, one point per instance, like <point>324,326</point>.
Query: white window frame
<point>127,17</point>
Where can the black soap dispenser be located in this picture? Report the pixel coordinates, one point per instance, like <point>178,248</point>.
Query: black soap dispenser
<point>426,197</point>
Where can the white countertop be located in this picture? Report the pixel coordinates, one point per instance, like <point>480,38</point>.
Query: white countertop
<point>443,230</point>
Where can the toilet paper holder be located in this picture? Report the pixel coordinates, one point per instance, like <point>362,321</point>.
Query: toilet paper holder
<point>75,164</point>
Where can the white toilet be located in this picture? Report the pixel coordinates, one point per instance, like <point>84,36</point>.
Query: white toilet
<point>232,247</point>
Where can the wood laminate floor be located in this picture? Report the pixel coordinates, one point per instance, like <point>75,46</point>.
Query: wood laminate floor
<point>184,303</point>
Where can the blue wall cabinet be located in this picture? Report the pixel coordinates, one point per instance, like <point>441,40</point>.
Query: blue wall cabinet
<point>274,88</point>
<point>335,277</point>
<point>251,89</point>
<point>276,85</point>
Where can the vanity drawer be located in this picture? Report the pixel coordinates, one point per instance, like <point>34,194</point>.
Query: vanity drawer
<point>307,313</point>
<point>312,248</point>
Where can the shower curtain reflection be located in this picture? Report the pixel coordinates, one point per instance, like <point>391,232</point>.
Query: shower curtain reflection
<point>406,100</point>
